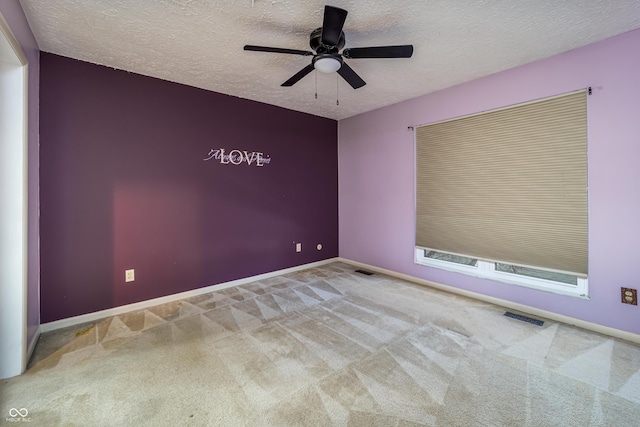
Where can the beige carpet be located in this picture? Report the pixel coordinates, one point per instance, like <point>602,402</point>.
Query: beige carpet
<point>326,346</point>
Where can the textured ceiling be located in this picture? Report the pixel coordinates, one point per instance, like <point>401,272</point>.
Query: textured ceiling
<point>200,42</point>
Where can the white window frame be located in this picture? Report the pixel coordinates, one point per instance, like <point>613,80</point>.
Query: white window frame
<point>486,270</point>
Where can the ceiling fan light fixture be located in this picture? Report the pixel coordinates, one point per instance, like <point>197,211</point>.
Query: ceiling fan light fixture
<point>327,64</point>
<point>326,43</point>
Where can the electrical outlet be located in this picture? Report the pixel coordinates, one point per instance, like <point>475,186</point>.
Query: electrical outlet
<point>298,247</point>
<point>129,275</point>
<point>629,296</point>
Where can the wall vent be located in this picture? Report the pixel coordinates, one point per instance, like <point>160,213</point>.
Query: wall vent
<point>524,318</point>
<point>366,273</point>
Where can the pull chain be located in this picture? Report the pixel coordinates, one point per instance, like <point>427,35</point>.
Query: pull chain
<point>316,74</point>
<point>337,94</point>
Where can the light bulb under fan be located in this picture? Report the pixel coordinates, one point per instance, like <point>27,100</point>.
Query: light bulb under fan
<point>327,63</point>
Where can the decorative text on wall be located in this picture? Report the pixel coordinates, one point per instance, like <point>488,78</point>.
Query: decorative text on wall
<point>237,157</point>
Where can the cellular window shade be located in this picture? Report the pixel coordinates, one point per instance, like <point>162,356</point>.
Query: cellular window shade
<point>507,185</point>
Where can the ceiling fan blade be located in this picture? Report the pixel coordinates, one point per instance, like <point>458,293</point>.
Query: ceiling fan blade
<point>277,50</point>
<point>332,24</point>
<point>350,76</point>
<point>300,74</point>
<point>403,51</point>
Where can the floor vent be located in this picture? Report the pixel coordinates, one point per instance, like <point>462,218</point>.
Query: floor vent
<point>366,273</point>
<point>524,318</point>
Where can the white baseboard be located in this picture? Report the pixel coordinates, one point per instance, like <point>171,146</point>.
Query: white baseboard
<point>32,345</point>
<point>92,317</point>
<point>606,330</point>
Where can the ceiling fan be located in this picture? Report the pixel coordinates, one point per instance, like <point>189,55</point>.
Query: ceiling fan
<point>326,42</point>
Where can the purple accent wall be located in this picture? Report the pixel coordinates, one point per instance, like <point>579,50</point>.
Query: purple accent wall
<point>124,185</point>
<point>14,15</point>
<point>376,175</point>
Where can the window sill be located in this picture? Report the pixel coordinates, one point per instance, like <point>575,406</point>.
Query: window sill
<point>485,270</point>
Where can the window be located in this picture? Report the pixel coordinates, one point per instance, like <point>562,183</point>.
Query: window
<point>503,194</point>
<point>545,280</point>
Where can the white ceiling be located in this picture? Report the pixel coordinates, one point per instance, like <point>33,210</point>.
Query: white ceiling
<point>200,42</point>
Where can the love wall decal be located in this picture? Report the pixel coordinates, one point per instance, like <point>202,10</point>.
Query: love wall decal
<point>238,157</point>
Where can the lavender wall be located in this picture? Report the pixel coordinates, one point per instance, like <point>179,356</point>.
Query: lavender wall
<point>13,14</point>
<point>376,175</point>
<point>124,185</point>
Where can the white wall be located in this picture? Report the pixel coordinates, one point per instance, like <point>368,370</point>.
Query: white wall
<point>13,207</point>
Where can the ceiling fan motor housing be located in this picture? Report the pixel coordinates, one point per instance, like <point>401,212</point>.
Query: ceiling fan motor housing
<point>315,41</point>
